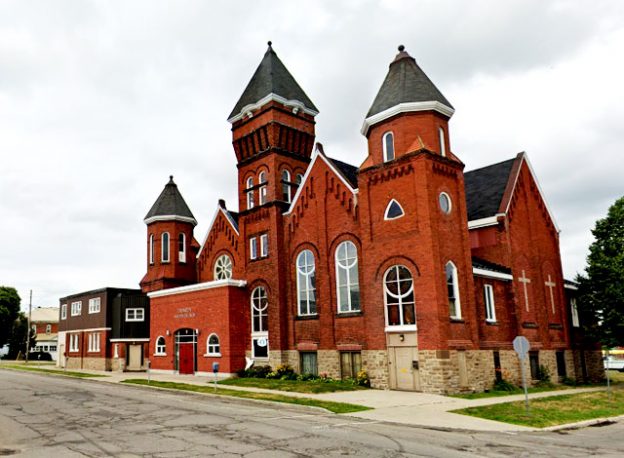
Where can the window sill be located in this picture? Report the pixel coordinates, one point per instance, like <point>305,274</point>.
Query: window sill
<point>212,355</point>
<point>401,328</point>
<point>457,320</point>
<point>306,317</point>
<point>349,314</point>
<point>491,322</point>
<point>160,354</point>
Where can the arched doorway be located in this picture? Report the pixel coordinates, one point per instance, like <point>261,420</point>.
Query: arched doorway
<point>185,351</point>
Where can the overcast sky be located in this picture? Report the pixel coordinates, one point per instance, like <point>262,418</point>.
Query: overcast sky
<point>100,101</point>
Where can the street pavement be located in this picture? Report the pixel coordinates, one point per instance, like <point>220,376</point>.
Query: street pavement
<point>44,416</point>
<point>411,408</point>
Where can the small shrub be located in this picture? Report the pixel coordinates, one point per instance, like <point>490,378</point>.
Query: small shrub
<point>504,385</point>
<point>306,377</point>
<point>257,372</point>
<point>362,379</point>
<point>283,372</point>
<point>569,381</point>
<point>543,374</point>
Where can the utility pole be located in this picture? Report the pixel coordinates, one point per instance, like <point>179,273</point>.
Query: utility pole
<point>28,330</point>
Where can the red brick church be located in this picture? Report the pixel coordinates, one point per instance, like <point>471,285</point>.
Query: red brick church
<point>405,267</point>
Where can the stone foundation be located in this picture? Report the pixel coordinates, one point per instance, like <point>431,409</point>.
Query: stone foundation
<point>329,363</point>
<point>93,364</point>
<point>375,363</point>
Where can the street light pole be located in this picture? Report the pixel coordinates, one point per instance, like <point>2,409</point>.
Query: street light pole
<point>28,330</point>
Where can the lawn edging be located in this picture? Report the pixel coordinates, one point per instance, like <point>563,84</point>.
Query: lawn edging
<point>555,412</point>
<point>331,406</point>
<point>53,372</point>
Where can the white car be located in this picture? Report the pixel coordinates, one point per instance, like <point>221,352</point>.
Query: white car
<point>613,363</point>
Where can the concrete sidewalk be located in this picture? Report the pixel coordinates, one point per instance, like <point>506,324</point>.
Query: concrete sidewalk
<point>405,407</point>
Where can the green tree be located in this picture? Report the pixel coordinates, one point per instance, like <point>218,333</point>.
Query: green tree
<point>601,288</point>
<point>17,340</point>
<point>9,309</point>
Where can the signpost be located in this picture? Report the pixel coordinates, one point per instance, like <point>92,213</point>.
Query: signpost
<point>215,369</point>
<point>522,347</point>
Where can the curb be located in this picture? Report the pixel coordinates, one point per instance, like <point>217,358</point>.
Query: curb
<point>595,422</point>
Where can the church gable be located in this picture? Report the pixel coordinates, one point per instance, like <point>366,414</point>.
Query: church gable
<point>222,238</point>
<point>332,180</point>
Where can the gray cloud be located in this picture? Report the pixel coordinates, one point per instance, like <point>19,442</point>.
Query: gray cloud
<point>101,101</point>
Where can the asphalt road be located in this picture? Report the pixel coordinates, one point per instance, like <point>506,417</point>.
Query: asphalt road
<point>44,416</point>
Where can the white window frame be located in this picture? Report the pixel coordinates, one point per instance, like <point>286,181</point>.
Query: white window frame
<point>182,252</point>
<point>307,277</point>
<point>386,217</point>
<point>258,298</point>
<point>63,311</point>
<point>94,342</point>
<point>576,323</point>
<point>223,268</point>
<point>457,315</point>
<point>135,314</point>
<point>250,193</point>
<point>490,303</point>
<point>151,249</point>
<point>76,308</point>
<point>165,243</point>
<point>442,136</point>
<point>385,150</point>
<point>262,191</point>
<point>264,245</point>
<point>253,248</point>
<point>286,186</point>
<point>448,199</point>
<point>346,264</point>
<point>95,305</point>
<point>160,350</point>
<point>400,298</point>
<point>210,348</point>
<point>74,343</point>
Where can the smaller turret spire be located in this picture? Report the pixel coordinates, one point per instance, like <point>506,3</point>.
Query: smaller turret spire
<point>170,205</point>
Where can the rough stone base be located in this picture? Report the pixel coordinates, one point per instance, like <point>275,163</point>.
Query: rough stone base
<point>94,364</point>
<point>375,363</point>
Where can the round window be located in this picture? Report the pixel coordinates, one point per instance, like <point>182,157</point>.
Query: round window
<point>445,202</point>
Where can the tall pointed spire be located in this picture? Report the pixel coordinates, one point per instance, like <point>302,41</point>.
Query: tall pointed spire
<point>271,81</point>
<point>170,205</point>
<point>406,88</point>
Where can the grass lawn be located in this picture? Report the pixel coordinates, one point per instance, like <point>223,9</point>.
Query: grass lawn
<point>336,407</point>
<point>33,368</point>
<point>554,410</point>
<point>495,393</point>
<point>293,385</point>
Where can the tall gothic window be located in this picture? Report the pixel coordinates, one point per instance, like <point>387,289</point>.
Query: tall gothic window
<point>151,249</point>
<point>182,247</point>
<point>250,193</point>
<point>442,141</point>
<point>306,283</point>
<point>347,281</point>
<point>286,187</point>
<point>259,310</point>
<point>263,189</point>
<point>452,286</point>
<point>165,247</point>
<point>259,323</point>
<point>388,146</point>
<point>223,268</point>
<point>399,296</point>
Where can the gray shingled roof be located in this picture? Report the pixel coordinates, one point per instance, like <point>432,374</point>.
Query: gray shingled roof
<point>170,203</point>
<point>350,172</point>
<point>485,188</point>
<point>405,82</point>
<point>271,76</point>
<point>487,265</point>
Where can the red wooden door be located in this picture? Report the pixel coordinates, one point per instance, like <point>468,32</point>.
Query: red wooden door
<point>186,359</point>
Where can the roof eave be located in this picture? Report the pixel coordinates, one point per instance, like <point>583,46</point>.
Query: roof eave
<point>184,219</point>
<point>406,107</point>
<point>296,105</point>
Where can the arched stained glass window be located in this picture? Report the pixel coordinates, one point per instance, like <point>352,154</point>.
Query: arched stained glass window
<point>399,296</point>
<point>347,279</point>
<point>306,283</point>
